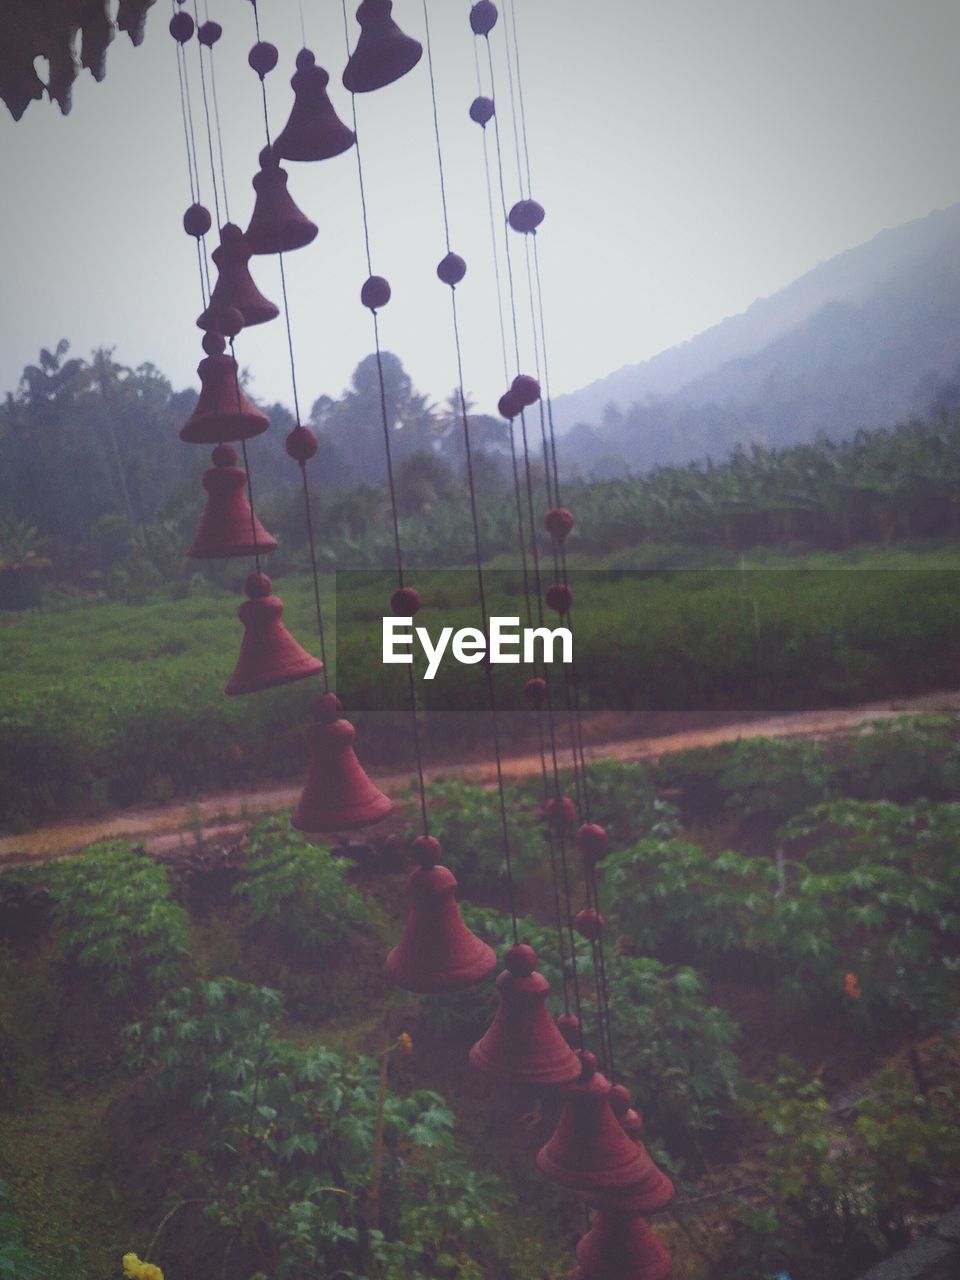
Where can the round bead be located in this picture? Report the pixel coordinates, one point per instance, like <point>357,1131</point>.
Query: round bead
<point>451,269</point>
<point>197,221</point>
<point>619,1099</point>
<point>482,110</point>
<point>508,406</point>
<point>483,17</point>
<point>589,923</point>
<point>327,707</point>
<point>568,1024</point>
<point>230,233</point>
<point>526,216</point>
<point>426,850</point>
<point>181,27</point>
<point>301,444</point>
<point>306,59</point>
<point>263,57</point>
<point>375,292</point>
<point>209,33</point>
<point>588,1065</point>
<point>214,343</point>
<point>224,456</point>
<point>405,602</point>
<point>558,522</point>
<point>521,960</point>
<point>559,597</point>
<point>535,691</point>
<point>257,586</point>
<point>592,841</point>
<point>230,320</point>
<point>560,812</point>
<point>526,389</point>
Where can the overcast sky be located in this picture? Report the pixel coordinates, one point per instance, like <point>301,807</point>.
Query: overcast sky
<point>692,155</point>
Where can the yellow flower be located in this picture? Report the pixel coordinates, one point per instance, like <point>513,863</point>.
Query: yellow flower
<point>131,1265</point>
<point>405,1043</point>
<point>150,1272</point>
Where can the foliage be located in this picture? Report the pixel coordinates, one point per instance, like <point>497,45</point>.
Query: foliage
<point>291,1141</point>
<point>673,1048</point>
<point>466,819</point>
<point>840,1189</point>
<point>903,758</point>
<point>296,889</point>
<point>116,916</point>
<point>775,777</point>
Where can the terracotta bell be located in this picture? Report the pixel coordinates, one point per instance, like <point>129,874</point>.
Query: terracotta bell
<point>269,655</point>
<point>235,287</point>
<point>227,525</point>
<point>653,1190</point>
<point>314,131</point>
<point>523,1043</point>
<point>383,53</point>
<point>621,1247</point>
<point>222,412</point>
<point>589,1150</point>
<point>276,225</point>
<point>437,951</point>
<point>337,795</point>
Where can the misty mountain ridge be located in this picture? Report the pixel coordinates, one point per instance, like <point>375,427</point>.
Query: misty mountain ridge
<point>866,339</point>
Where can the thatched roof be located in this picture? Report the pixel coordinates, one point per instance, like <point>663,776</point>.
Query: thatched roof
<point>69,34</point>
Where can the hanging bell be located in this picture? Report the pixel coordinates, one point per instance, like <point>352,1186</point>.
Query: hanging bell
<point>621,1247</point>
<point>523,1043</point>
<point>269,655</point>
<point>383,53</point>
<point>235,287</point>
<point>228,526</point>
<point>276,225</point>
<point>337,795</point>
<point>314,131</point>
<point>589,1150</point>
<point>437,951</point>
<point>653,1190</point>
<point>222,412</point>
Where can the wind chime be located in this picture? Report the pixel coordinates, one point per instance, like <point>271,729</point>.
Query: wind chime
<point>596,1151</point>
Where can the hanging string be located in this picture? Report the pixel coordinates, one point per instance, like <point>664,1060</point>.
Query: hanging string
<point>193,176</point>
<point>388,451</point>
<point>288,327</point>
<point>474,516</point>
<point>206,112</point>
<point>548,435</point>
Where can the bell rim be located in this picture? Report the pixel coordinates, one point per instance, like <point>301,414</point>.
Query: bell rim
<point>363,816</point>
<point>275,682</point>
<point>455,980</point>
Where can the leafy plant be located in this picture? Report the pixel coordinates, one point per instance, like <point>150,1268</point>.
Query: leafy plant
<point>904,758</point>
<point>116,916</point>
<point>291,1136</point>
<point>296,888</point>
<point>775,777</point>
<point>16,1262</point>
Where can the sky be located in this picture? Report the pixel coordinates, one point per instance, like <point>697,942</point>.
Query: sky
<point>691,156</point>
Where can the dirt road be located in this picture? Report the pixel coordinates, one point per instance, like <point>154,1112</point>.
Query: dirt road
<point>219,816</point>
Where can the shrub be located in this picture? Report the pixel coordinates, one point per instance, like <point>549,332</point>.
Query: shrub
<point>296,888</point>
<point>291,1137</point>
<point>116,916</point>
<point>904,758</point>
<point>775,777</point>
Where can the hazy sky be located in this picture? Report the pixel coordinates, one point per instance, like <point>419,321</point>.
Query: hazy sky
<point>692,155</point>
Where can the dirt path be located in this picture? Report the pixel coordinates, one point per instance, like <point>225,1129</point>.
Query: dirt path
<point>223,815</point>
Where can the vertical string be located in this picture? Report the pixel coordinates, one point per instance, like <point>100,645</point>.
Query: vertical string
<point>388,450</point>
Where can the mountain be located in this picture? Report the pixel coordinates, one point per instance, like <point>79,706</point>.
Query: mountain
<point>863,340</point>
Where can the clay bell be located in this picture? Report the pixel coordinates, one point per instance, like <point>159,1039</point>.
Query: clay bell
<point>523,1044</point>
<point>314,131</point>
<point>621,1247</point>
<point>269,655</point>
<point>227,525</point>
<point>235,287</point>
<point>338,795</point>
<point>277,225</point>
<point>437,951</point>
<point>383,53</point>
<point>589,1150</point>
<point>222,412</point>
<point>653,1190</point>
